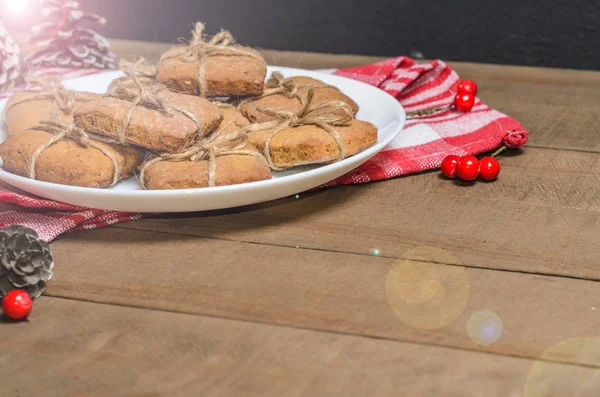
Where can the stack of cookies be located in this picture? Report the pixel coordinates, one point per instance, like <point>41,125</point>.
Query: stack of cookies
<point>202,117</point>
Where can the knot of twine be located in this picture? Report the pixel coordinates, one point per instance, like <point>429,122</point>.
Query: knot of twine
<point>64,132</point>
<point>62,98</point>
<point>218,144</point>
<point>289,88</point>
<point>144,69</point>
<point>279,85</point>
<point>326,115</point>
<point>200,47</point>
<point>147,97</point>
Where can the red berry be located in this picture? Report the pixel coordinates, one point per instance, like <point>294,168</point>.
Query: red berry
<point>468,168</point>
<point>449,166</point>
<point>489,168</point>
<point>464,101</point>
<point>467,86</point>
<point>16,304</point>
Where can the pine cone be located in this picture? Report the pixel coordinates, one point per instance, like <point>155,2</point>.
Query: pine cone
<point>63,42</point>
<point>10,66</point>
<point>26,261</point>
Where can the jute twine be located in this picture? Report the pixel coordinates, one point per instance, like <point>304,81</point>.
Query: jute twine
<point>146,96</point>
<point>145,71</point>
<point>64,132</point>
<point>220,143</point>
<point>279,85</point>
<point>62,99</point>
<point>198,49</point>
<point>326,115</point>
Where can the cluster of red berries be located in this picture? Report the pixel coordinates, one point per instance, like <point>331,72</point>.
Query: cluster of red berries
<point>16,305</point>
<point>468,168</point>
<point>465,99</point>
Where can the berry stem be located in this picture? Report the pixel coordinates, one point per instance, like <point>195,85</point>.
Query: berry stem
<point>497,152</point>
<point>427,111</point>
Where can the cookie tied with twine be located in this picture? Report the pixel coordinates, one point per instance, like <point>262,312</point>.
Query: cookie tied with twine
<point>147,96</point>
<point>326,115</point>
<point>53,101</point>
<point>224,142</point>
<point>63,132</point>
<point>291,93</point>
<point>145,72</point>
<point>289,87</point>
<point>210,67</point>
<point>149,116</point>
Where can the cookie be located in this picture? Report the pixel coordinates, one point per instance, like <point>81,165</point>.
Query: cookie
<point>146,74</point>
<point>217,68</point>
<point>164,122</point>
<point>126,82</point>
<point>310,144</point>
<point>67,162</point>
<point>232,117</point>
<point>291,94</point>
<point>27,109</point>
<point>229,170</point>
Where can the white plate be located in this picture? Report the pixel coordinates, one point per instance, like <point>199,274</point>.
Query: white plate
<point>376,107</point>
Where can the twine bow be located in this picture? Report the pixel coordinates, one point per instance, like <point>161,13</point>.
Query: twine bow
<point>199,48</point>
<point>64,132</point>
<point>287,87</point>
<point>278,85</point>
<point>146,96</point>
<point>144,69</point>
<point>62,98</point>
<point>326,115</point>
<point>218,144</point>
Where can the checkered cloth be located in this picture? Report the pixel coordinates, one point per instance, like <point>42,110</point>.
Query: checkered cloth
<point>425,141</point>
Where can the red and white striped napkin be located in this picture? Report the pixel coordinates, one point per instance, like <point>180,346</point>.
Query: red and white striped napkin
<point>425,141</point>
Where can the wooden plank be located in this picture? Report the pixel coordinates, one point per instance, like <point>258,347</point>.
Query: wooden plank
<point>541,216</point>
<point>330,291</point>
<point>76,349</point>
<point>558,107</point>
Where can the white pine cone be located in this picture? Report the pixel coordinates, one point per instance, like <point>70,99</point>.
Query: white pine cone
<point>62,42</point>
<point>10,66</point>
<point>25,262</point>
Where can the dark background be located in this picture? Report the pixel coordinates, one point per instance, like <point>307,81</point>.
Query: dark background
<point>560,33</point>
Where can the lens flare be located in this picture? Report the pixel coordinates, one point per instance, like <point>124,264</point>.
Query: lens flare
<point>424,291</point>
<point>551,377</point>
<point>484,327</point>
<point>17,7</point>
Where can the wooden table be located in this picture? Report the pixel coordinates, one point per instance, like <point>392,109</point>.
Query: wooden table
<point>292,298</point>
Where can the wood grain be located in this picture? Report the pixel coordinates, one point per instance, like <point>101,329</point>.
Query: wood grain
<point>338,292</point>
<point>557,106</point>
<point>541,216</point>
<point>76,349</point>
